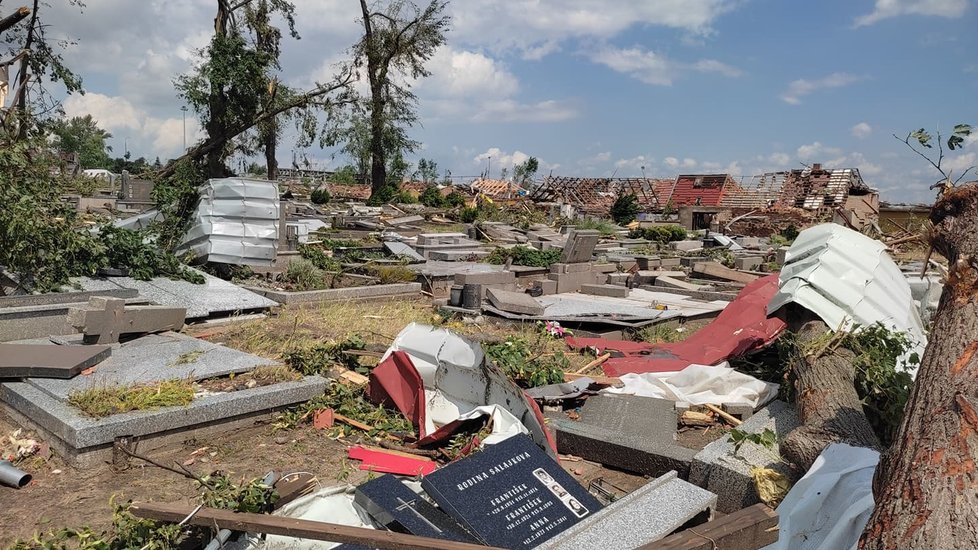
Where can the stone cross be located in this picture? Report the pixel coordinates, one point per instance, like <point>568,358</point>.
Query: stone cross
<point>104,320</point>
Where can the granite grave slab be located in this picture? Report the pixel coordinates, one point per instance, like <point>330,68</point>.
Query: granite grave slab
<point>392,504</point>
<point>47,361</point>
<point>511,495</point>
<point>580,246</point>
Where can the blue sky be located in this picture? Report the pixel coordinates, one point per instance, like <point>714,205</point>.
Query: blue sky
<point>597,88</point>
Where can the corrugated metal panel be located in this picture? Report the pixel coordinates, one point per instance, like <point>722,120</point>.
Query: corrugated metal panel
<point>847,278</point>
<point>236,222</point>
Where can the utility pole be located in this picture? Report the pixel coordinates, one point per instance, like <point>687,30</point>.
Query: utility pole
<point>184,109</point>
<point>489,168</point>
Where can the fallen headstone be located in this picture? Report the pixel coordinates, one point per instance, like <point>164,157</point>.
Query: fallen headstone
<point>44,361</point>
<point>510,495</point>
<point>514,302</point>
<point>580,246</point>
<point>630,432</point>
<point>392,504</point>
<point>605,290</point>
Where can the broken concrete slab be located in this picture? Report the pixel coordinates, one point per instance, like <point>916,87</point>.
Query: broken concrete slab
<point>582,267</point>
<point>605,290</point>
<point>726,472</point>
<point>672,282</point>
<point>580,246</point>
<point>406,220</point>
<point>686,246</point>
<point>401,249</point>
<point>645,515</point>
<point>486,278</point>
<point>457,255</point>
<point>47,361</point>
<point>105,320</point>
<point>749,263</point>
<point>630,432</point>
<point>571,282</point>
<point>670,262</point>
<point>547,287</point>
<point>353,293</point>
<point>718,271</point>
<point>514,302</point>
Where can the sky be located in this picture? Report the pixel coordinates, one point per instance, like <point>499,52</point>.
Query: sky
<point>594,88</point>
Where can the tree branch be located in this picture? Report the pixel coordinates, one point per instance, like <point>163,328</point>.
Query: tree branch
<point>906,141</point>
<point>14,18</point>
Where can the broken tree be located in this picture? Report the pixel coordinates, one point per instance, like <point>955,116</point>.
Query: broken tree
<point>925,485</point>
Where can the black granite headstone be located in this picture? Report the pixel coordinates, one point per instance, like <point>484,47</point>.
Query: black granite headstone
<point>398,508</point>
<point>510,494</point>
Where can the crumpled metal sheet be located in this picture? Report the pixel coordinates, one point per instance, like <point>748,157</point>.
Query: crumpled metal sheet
<point>847,279</point>
<point>236,222</point>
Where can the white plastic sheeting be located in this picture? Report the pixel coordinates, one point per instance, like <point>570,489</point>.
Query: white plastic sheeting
<point>699,385</point>
<point>847,278</point>
<point>829,507</point>
<point>236,222</point>
<point>332,505</point>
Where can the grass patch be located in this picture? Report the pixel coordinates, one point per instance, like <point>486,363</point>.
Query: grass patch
<point>605,227</point>
<point>274,374</point>
<point>189,357</point>
<point>303,274</point>
<point>655,334</point>
<point>102,402</point>
<point>389,274</point>
<point>352,403</point>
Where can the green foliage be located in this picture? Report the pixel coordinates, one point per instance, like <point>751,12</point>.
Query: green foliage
<point>468,214</point>
<point>253,496</point>
<point>304,275</point>
<point>134,251</point>
<point>604,227</point>
<point>528,369</point>
<point>455,199</point>
<point>955,141</point>
<point>660,333</point>
<point>320,357</point>
<point>427,171</point>
<point>625,209</point>
<point>524,171</point>
<point>524,255</point>
<point>176,198</point>
<point>389,274</point>
<point>351,402</point>
<point>789,233</point>
<point>432,197</point>
<point>82,135</point>
<point>127,532</point>
<point>659,233</point>
<point>320,196</point>
<point>319,258</point>
<point>767,439</point>
<point>347,175</point>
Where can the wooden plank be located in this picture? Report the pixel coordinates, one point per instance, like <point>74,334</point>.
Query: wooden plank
<point>748,529</point>
<point>290,527</point>
<point>713,269</point>
<point>604,380</point>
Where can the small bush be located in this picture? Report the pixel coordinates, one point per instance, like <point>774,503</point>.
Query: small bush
<point>390,274</point>
<point>468,214</point>
<point>659,233</point>
<point>527,368</point>
<point>304,275</point>
<point>604,227</point>
<point>625,209</point>
<point>455,199</point>
<point>432,197</point>
<point>524,255</point>
<point>320,196</point>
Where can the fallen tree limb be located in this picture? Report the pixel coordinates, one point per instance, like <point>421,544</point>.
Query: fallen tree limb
<point>826,399</point>
<point>19,15</point>
<point>290,527</point>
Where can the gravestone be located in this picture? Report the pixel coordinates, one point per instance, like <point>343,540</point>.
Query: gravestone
<point>104,320</point>
<point>580,246</point>
<point>392,504</point>
<point>511,495</point>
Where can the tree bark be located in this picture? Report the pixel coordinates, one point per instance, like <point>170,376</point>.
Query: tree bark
<point>830,409</point>
<point>19,15</point>
<point>378,165</point>
<point>926,486</point>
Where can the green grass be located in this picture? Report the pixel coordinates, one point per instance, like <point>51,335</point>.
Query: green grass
<point>106,401</point>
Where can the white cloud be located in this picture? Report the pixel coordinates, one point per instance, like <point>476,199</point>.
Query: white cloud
<point>500,159</point>
<point>671,162</point>
<point>689,163</point>
<point>813,151</point>
<point>652,68</point>
<point>537,28</point>
<point>886,9</point>
<point>147,135</point>
<point>862,130</point>
<point>957,164</point>
<point>634,164</point>
<point>779,159</point>
<point>802,87</point>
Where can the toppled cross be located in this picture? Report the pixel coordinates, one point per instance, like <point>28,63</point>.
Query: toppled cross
<point>104,320</point>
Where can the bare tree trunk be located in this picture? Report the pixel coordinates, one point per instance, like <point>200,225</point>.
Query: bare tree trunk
<point>270,141</point>
<point>378,166</point>
<point>926,485</point>
<point>14,18</point>
<point>830,409</point>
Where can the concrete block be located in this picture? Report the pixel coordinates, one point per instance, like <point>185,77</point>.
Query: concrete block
<point>456,255</point>
<point>748,263</point>
<point>686,246</point>
<point>571,282</point>
<point>670,262</point>
<point>672,282</point>
<point>514,302</point>
<point>605,290</point>
<point>618,278</point>
<point>486,278</point>
<point>427,239</point>
<point>570,268</point>
<point>782,254</point>
<point>748,242</point>
<point>719,470</point>
<point>604,268</point>
<point>645,515</point>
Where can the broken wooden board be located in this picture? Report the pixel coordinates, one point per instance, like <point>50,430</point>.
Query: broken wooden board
<point>291,527</point>
<point>44,361</point>
<point>104,320</point>
<point>713,269</point>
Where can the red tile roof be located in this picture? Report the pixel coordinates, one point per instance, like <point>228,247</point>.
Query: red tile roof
<point>701,189</point>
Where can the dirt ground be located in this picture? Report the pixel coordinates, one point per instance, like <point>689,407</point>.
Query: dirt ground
<point>62,496</point>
